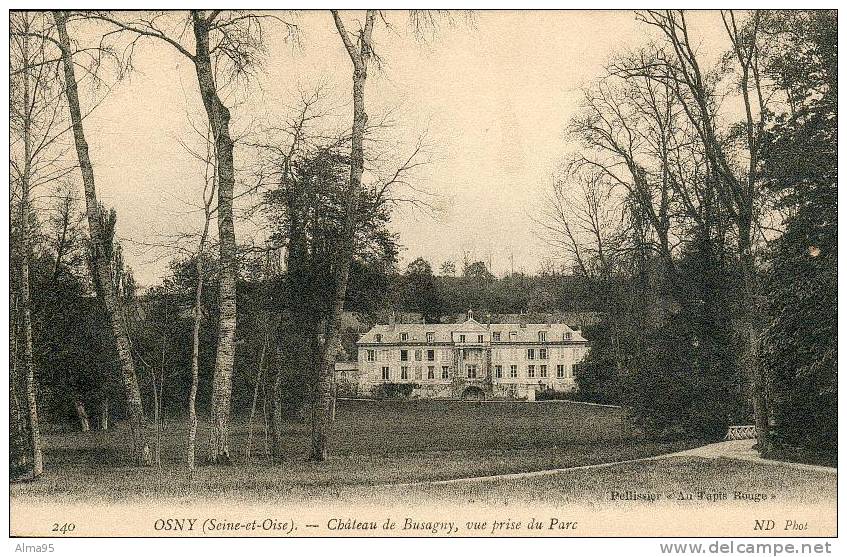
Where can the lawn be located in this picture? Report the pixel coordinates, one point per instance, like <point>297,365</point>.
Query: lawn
<point>782,485</point>
<point>372,443</point>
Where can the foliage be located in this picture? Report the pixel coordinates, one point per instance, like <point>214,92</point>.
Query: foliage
<point>597,376</point>
<point>672,359</point>
<point>799,349</point>
<point>393,390</point>
<point>420,291</point>
<point>440,298</point>
<point>306,209</point>
<point>549,393</point>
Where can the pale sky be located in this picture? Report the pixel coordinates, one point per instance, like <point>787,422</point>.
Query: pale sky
<point>494,98</point>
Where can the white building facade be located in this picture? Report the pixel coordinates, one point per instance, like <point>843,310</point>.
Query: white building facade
<point>470,359</point>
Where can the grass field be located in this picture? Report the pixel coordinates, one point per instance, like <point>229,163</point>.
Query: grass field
<point>373,443</point>
<point>782,485</point>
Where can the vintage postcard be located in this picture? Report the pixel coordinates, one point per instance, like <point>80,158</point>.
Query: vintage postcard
<point>423,273</point>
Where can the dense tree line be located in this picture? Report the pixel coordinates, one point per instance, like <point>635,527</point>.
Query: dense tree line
<point>441,297</point>
<point>719,229</point>
<point>801,168</point>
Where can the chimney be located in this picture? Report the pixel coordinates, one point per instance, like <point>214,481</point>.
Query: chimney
<point>522,319</point>
<point>392,321</point>
<point>549,319</point>
<point>470,314</point>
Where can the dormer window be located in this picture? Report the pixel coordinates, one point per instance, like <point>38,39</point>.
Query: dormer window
<point>567,335</point>
<point>378,337</point>
<point>495,337</point>
<point>513,335</point>
<point>461,338</point>
<point>542,336</point>
<point>404,337</point>
<point>481,339</point>
<point>430,337</point>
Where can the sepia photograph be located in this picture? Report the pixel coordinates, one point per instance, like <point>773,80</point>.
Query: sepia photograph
<point>421,273</point>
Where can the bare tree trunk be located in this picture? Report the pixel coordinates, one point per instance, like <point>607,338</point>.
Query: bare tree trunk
<point>334,402</point>
<point>218,116</point>
<point>208,200</point>
<point>195,352</point>
<point>60,247</point>
<point>26,304</point>
<point>82,415</point>
<point>20,461</point>
<point>31,397</point>
<point>104,413</point>
<point>750,352</point>
<point>248,452</point>
<point>253,404</point>
<point>276,418</point>
<point>744,217</point>
<point>260,380</point>
<point>321,412</point>
<point>266,424</point>
<point>158,399</point>
<point>140,449</point>
<point>738,195</point>
<point>155,417</point>
<point>195,373</point>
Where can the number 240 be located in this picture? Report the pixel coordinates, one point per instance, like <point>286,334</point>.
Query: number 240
<point>63,528</point>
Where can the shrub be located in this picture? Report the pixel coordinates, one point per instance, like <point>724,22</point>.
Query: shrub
<point>549,393</point>
<point>394,390</point>
<point>597,375</point>
<point>676,388</point>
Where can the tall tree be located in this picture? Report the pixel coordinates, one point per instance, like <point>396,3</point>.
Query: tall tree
<point>219,116</point>
<point>739,186</point>
<point>308,180</point>
<point>101,268</point>
<point>800,164</point>
<point>218,37</point>
<point>209,188</point>
<point>421,292</point>
<point>586,222</point>
<point>360,52</point>
<point>25,113</point>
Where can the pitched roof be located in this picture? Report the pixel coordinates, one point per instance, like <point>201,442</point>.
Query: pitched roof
<point>442,332</point>
<point>470,325</point>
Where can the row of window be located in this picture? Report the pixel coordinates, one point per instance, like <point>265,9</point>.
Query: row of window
<point>419,355</point>
<point>404,373</point>
<point>471,371</point>
<point>561,371</point>
<point>531,354</point>
<point>495,336</point>
<point>430,355</point>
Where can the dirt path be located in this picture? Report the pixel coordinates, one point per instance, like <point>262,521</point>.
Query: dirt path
<point>743,450</point>
<point>734,450</point>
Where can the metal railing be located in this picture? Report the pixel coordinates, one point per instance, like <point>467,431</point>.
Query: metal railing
<point>738,432</point>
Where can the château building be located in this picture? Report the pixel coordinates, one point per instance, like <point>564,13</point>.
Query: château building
<point>469,359</point>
